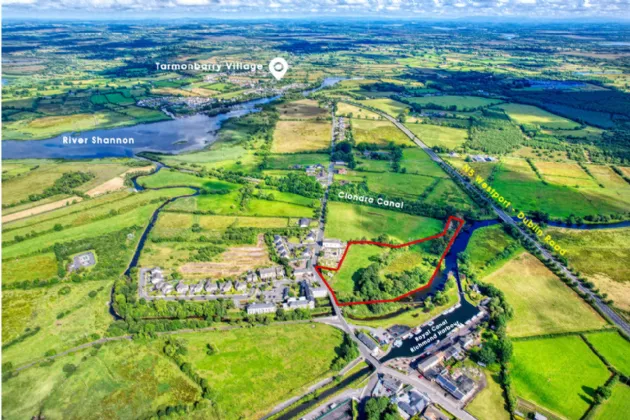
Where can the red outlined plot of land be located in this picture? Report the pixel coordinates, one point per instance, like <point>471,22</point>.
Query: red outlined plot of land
<point>451,219</point>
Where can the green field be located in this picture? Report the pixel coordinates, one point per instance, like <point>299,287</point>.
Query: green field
<point>485,244</point>
<point>436,135</point>
<point>461,103</point>
<point>120,380</point>
<point>489,403</point>
<point>614,348</point>
<point>358,257</point>
<point>350,222</point>
<point>526,114</point>
<point>596,254</point>
<point>378,132</point>
<point>288,161</point>
<point>617,407</point>
<point>392,184</point>
<point>416,161</point>
<point>558,373</point>
<point>388,106</point>
<point>39,307</point>
<point>171,178</point>
<point>251,378</point>
<point>542,303</point>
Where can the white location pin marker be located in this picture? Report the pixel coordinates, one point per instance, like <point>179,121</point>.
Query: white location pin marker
<point>278,67</point>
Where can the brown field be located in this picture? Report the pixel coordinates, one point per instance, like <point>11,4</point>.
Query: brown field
<point>305,109</point>
<point>235,261</point>
<point>117,182</point>
<point>299,136</point>
<point>40,209</point>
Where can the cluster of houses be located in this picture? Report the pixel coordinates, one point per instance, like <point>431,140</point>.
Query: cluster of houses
<point>290,251</point>
<point>408,400</point>
<point>306,300</point>
<point>456,383</point>
<point>332,248</point>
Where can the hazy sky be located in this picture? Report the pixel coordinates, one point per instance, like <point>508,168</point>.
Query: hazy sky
<point>125,9</point>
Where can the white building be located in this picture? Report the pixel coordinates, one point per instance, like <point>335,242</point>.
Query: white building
<point>261,308</point>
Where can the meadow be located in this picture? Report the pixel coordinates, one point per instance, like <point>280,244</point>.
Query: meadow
<point>352,111</point>
<point>484,246</point>
<point>527,114</point>
<point>304,109</point>
<point>251,378</point>
<point>123,379</point>
<point>220,155</point>
<point>542,303</point>
<point>394,184</point>
<point>82,317</point>
<point>560,374</point>
<point>358,257</point>
<point>416,161</point>
<point>301,136</point>
<point>347,221</point>
<point>388,106</point>
<point>378,132</point>
<point>596,254</point>
<point>435,135</point>
<point>613,347</point>
<point>461,103</point>
<point>447,192</point>
<point>173,178</point>
<point>287,161</point>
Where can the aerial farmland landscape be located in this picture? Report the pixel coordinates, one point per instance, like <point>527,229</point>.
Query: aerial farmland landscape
<point>282,210</point>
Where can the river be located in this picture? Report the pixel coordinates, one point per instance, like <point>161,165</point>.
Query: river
<point>185,134</point>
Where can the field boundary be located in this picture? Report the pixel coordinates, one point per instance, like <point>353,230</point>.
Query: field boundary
<point>319,268</point>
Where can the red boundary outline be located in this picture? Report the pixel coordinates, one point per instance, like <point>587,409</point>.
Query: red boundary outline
<point>318,268</point>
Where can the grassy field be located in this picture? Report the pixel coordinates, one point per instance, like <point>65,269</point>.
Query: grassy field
<point>489,404</point>
<point>28,309</point>
<point>394,184</point>
<point>41,266</point>
<point>358,257</point>
<point>447,192</point>
<point>614,348</point>
<point>167,178</point>
<point>596,253</point>
<point>418,162</point>
<point>388,106</point>
<point>560,374</point>
<point>287,161</point>
<point>436,135</point>
<point>542,303</point>
<point>462,103</point>
<point>526,114</point>
<point>301,136</point>
<point>304,109</point>
<point>352,111</point>
<point>349,221</point>
<point>378,132</point>
<point>617,406</point>
<point>485,244</point>
<point>35,176</point>
<point>251,378</point>
<point>120,380</point>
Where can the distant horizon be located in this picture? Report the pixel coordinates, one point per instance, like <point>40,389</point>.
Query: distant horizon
<point>503,10</point>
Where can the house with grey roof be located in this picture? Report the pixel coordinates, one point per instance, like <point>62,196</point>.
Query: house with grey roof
<point>167,288</point>
<point>300,303</point>
<point>301,273</point>
<point>211,286</point>
<point>304,222</point>
<point>260,308</point>
<point>369,343</point>
<point>240,286</point>
<point>251,277</point>
<point>196,288</point>
<point>225,287</point>
<point>267,273</point>
<point>181,288</point>
<point>83,260</point>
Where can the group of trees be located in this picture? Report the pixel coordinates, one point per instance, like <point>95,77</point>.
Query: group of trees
<point>346,352</point>
<point>297,184</point>
<point>64,185</point>
<point>343,152</point>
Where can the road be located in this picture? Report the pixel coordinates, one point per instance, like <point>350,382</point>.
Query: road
<point>614,317</point>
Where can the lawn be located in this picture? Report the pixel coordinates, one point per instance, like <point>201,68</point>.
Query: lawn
<point>121,380</point>
<point>39,307</point>
<point>614,348</point>
<point>462,103</point>
<point>560,374</point>
<point>301,136</point>
<point>527,114</point>
<point>347,221</point>
<point>617,406</point>
<point>437,135</point>
<point>304,109</point>
<point>596,254</point>
<point>542,303</point>
<point>251,377</point>
<point>378,132</point>
<point>489,404</point>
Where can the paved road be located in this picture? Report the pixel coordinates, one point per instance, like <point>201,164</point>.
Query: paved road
<point>547,255</point>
